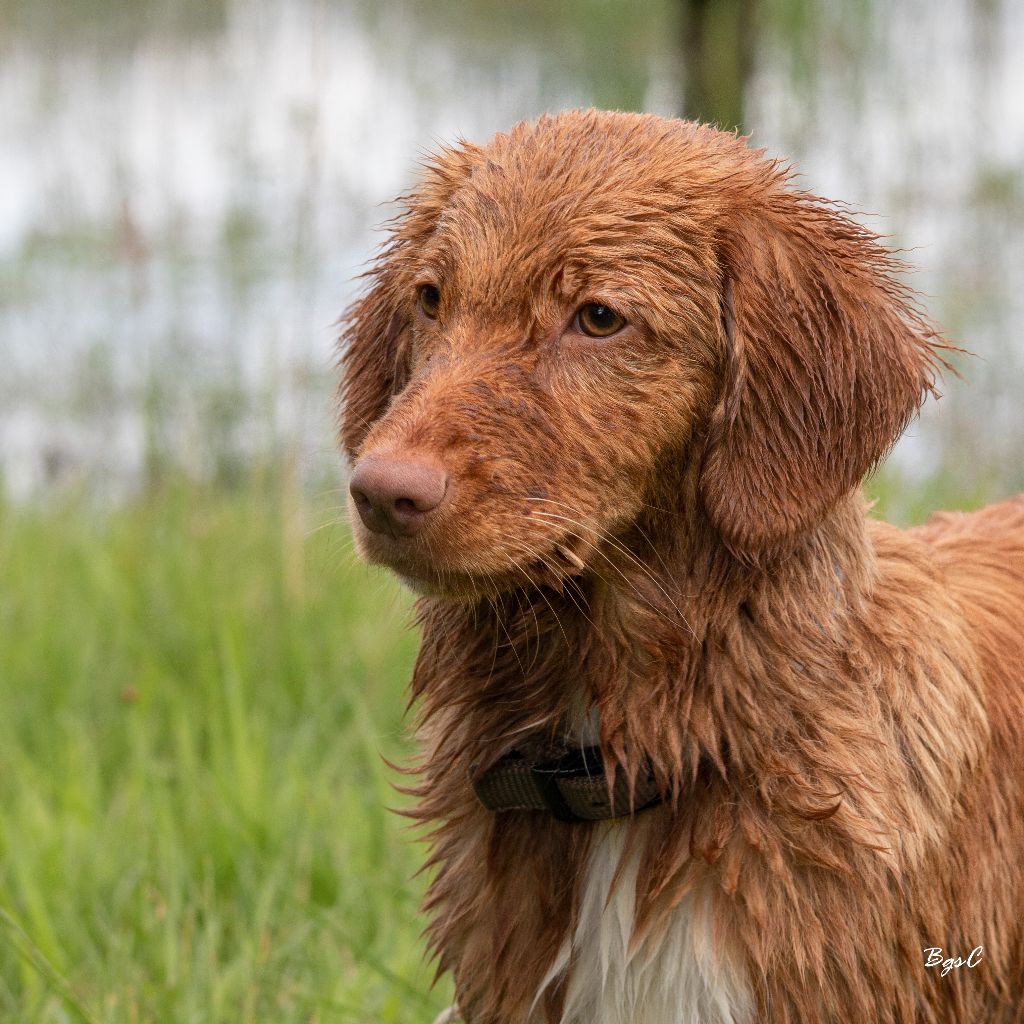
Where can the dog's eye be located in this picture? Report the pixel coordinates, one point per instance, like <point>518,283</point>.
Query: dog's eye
<point>597,321</point>
<point>429,299</point>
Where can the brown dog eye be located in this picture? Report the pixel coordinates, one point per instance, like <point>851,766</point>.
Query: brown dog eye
<point>597,321</point>
<point>429,300</point>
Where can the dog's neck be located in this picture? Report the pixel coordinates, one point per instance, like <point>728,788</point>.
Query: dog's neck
<point>638,656</point>
<point>686,637</point>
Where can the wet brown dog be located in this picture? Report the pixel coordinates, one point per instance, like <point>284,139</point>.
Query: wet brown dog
<point>609,401</point>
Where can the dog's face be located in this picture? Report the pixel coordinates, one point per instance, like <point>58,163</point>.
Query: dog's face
<point>552,352</point>
<point>589,300</point>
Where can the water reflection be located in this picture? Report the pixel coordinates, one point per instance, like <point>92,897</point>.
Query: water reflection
<point>189,189</point>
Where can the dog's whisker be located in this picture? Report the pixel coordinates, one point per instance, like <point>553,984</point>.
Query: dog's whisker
<point>571,557</point>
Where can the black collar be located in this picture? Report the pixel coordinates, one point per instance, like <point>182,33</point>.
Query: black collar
<point>571,786</point>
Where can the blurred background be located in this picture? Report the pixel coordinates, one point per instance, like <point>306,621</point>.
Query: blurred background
<point>196,681</point>
<point>190,189</point>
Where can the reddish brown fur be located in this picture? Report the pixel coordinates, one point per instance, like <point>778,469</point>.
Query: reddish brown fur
<point>834,707</point>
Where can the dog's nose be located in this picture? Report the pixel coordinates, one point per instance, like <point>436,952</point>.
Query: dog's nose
<point>394,495</point>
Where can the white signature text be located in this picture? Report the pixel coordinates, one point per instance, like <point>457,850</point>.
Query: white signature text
<point>934,958</point>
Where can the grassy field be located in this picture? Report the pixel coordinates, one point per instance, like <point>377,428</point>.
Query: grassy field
<point>196,691</point>
<point>195,694</point>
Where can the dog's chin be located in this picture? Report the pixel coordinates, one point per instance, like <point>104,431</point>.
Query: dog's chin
<point>429,576</point>
<point>461,588</point>
<point>440,582</point>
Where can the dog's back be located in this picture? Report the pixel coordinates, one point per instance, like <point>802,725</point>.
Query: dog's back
<point>982,554</point>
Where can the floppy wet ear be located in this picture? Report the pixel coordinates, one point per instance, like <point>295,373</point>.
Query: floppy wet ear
<point>373,353</point>
<point>374,345</point>
<point>825,360</point>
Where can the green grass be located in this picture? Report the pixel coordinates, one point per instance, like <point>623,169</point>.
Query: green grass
<point>196,692</point>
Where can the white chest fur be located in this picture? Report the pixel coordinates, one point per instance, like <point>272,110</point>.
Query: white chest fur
<point>680,979</point>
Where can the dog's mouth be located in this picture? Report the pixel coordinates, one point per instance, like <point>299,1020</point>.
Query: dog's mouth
<point>444,567</point>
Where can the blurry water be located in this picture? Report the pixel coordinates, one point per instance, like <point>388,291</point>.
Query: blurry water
<point>188,190</point>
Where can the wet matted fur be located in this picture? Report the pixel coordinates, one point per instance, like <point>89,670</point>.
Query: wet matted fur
<point>657,540</point>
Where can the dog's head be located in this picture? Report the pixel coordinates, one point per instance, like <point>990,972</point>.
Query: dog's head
<point>569,316</point>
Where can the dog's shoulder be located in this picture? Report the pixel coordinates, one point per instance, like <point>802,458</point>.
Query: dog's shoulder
<point>980,560</point>
<point>982,550</point>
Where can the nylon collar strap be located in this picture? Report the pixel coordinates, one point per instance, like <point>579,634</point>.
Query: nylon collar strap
<point>571,787</point>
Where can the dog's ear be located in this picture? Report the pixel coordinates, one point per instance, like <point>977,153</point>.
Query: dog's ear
<point>373,348</point>
<point>374,341</point>
<point>825,360</point>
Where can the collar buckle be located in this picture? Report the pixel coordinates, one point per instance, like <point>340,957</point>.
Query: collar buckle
<point>571,787</point>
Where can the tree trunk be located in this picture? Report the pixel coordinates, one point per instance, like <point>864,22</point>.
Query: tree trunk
<point>717,53</point>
